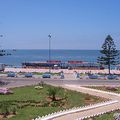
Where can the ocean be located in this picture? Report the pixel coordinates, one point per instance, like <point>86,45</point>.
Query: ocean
<point>19,56</point>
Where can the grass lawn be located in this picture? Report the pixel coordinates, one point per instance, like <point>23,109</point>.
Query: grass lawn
<point>36,73</point>
<point>28,113</point>
<point>29,100</point>
<point>39,73</point>
<point>107,116</point>
<point>3,72</point>
<point>107,88</point>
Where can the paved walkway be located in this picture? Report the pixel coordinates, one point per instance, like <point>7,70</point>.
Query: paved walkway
<point>94,111</point>
<point>94,92</point>
<point>89,112</point>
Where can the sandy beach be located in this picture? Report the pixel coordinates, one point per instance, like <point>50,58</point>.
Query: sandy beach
<point>105,71</point>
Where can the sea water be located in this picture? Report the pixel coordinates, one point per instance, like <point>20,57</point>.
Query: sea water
<point>19,56</point>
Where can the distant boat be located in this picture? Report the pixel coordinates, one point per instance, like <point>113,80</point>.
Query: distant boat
<point>14,50</point>
<point>9,54</point>
<point>2,52</point>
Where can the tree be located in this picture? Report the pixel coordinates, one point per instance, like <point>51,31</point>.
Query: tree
<point>109,53</point>
<point>52,92</point>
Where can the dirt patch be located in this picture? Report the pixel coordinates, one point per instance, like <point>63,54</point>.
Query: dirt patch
<point>9,116</point>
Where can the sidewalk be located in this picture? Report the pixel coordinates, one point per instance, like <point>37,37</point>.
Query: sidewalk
<point>90,112</point>
<point>94,111</point>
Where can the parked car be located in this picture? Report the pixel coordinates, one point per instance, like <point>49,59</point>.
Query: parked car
<point>28,75</point>
<point>11,74</point>
<point>46,75</point>
<point>3,83</point>
<point>92,76</point>
<point>111,77</point>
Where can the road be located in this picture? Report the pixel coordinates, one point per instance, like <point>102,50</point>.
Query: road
<point>30,81</point>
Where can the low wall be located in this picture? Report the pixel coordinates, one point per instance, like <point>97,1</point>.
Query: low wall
<point>73,110</point>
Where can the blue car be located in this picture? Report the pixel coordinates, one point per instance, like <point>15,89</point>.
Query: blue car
<point>46,75</point>
<point>28,75</point>
<point>111,77</point>
<point>93,76</point>
<point>11,74</point>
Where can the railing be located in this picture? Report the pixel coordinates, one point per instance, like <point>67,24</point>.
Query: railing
<point>74,110</point>
<point>97,114</point>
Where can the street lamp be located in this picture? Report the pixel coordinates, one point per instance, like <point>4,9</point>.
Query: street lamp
<point>49,37</point>
<point>1,36</point>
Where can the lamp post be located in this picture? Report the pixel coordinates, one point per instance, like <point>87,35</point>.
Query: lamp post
<point>1,36</point>
<point>49,37</point>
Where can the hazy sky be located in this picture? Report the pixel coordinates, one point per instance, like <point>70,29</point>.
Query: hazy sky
<point>74,24</point>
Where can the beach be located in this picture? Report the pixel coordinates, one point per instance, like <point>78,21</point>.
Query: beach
<point>32,70</point>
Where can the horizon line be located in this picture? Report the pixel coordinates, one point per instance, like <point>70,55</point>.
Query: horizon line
<point>46,49</point>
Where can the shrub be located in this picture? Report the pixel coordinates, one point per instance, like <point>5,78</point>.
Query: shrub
<point>55,103</point>
<point>45,104</point>
<point>13,110</point>
<point>5,106</point>
<point>41,83</point>
<point>38,87</point>
<point>88,97</point>
<point>112,88</point>
<point>52,91</point>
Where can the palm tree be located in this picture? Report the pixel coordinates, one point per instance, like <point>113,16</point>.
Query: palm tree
<point>52,93</point>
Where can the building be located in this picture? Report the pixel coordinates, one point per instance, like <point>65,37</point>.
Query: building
<point>2,67</point>
<point>63,65</point>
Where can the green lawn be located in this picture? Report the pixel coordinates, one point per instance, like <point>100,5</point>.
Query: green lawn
<point>34,73</point>
<point>107,116</point>
<point>39,73</point>
<point>107,88</point>
<point>29,113</point>
<point>27,100</point>
<point>3,72</point>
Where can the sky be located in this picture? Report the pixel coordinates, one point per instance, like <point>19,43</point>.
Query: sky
<point>73,24</point>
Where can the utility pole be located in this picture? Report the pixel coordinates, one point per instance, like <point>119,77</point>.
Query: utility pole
<point>1,36</point>
<point>49,37</point>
